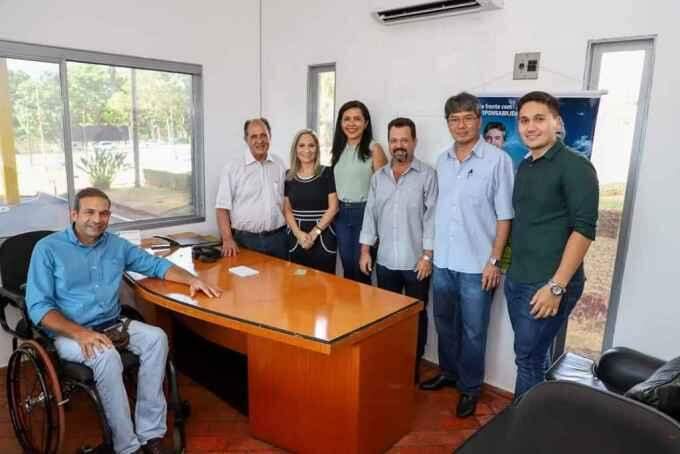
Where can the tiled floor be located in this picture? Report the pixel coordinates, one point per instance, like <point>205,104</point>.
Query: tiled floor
<point>215,427</point>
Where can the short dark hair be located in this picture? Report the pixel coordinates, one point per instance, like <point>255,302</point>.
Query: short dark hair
<point>462,102</point>
<point>495,125</point>
<point>402,122</point>
<point>540,97</point>
<point>256,120</point>
<point>89,192</point>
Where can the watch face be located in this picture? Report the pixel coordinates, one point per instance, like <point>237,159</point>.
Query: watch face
<point>556,290</point>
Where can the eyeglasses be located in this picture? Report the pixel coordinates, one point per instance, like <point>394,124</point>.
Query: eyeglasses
<point>466,120</point>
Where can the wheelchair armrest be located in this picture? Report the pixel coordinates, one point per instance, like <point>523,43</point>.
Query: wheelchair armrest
<point>622,368</point>
<point>16,300</point>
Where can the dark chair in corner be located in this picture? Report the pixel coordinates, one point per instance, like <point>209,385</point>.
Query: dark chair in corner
<point>563,418</point>
<point>618,369</point>
<point>39,383</point>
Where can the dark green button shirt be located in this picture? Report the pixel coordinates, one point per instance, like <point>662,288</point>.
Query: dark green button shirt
<point>554,195</point>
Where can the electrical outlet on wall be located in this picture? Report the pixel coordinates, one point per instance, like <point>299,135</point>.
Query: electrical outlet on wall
<point>526,65</point>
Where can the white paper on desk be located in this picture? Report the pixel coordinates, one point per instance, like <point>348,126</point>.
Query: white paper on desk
<point>135,276</point>
<point>243,271</point>
<point>182,258</point>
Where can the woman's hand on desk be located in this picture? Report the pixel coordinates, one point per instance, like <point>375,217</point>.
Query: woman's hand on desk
<point>210,290</point>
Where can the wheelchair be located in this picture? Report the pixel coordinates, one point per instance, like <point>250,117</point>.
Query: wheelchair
<point>40,385</point>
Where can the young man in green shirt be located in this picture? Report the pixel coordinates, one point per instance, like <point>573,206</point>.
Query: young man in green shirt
<point>555,199</point>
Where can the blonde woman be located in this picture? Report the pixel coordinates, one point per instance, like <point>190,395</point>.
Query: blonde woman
<point>309,205</point>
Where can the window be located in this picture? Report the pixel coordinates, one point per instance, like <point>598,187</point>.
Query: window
<point>321,106</point>
<point>71,119</point>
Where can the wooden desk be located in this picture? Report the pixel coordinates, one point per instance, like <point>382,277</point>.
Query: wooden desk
<point>330,361</point>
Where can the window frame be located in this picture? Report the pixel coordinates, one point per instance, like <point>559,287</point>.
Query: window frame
<point>62,56</point>
<point>313,72</point>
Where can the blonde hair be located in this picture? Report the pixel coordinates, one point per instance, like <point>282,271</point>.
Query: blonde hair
<point>295,162</point>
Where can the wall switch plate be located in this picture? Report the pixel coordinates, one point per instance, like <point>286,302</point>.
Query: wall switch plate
<point>526,65</point>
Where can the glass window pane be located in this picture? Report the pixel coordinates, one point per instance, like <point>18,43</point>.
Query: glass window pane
<point>326,110</point>
<point>132,133</point>
<point>33,178</point>
<point>621,74</point>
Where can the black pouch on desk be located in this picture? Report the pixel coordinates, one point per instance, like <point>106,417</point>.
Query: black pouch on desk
<point>206,253</point>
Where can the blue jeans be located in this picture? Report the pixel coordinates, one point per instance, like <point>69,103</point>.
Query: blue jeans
<point>274,244</point>
<point>461,315</point>
<point>151,345</point>
<point>534,337</point>
<point>347,230</point>
<point>405,281</point>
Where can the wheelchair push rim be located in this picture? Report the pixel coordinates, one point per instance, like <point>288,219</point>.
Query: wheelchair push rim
<point>35,399</point>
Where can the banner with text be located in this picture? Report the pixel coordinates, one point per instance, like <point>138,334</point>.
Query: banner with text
<point>579,114</point>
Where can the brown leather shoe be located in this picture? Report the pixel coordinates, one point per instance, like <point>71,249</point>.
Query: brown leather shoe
<point>155,446</point>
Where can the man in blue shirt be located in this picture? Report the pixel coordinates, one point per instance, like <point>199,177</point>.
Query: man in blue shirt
<point>472,223</point>
<point>400,216</point>
<point>72,292</point>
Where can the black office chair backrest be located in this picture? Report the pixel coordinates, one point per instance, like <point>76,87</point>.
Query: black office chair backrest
<point>15,256</point>
<point>563,417</point>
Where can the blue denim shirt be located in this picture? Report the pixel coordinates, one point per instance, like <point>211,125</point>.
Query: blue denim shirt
<point>81,281</point>
<point>473,195</point>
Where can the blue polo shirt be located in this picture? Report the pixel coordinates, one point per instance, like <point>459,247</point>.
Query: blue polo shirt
<point>82,281</point>
<point>473,195</point>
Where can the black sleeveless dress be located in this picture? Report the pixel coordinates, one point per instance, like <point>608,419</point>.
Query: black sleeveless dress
<point>309,200</point>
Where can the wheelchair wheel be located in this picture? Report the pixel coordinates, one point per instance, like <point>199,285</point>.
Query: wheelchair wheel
<point>35,399</point>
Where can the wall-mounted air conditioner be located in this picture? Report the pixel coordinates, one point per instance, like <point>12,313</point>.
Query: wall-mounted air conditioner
<point>397,12</point>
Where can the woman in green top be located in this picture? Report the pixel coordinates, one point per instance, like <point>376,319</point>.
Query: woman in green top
<point>355,156</point>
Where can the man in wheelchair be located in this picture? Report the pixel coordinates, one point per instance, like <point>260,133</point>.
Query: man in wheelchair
<point>72,294</point>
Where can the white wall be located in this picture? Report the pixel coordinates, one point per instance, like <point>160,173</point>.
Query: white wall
<point>411,69</point>
<point>402,70</point>
<point>223,37</point>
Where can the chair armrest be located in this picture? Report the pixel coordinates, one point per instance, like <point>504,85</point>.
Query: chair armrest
<point>621,368</point>
<point>16,300</point>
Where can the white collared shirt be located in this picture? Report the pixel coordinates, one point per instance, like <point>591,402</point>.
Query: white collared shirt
<point>252,191</point>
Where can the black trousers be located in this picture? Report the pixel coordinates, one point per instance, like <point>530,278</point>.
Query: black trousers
<point>273,243</point>
<point>406,282</point>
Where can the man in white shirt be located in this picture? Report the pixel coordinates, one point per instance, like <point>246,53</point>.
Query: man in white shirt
<point>250,198</point>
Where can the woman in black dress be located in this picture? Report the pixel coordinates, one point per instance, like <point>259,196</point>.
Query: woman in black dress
<point>310,205</point>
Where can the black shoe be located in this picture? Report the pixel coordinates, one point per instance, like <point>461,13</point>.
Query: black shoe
<point>466,405</point>
<point>155,446</point>
<point>437,382</point>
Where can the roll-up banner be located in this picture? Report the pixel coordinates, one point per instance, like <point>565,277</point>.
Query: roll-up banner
<point>578,111</point>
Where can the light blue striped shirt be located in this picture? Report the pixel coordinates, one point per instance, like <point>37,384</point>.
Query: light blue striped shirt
<point>399,213</point>
<point>80,281</point>
<point>473,195</point>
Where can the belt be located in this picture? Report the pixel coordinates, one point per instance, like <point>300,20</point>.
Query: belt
<point>262,234</point>
<point>351,204</point>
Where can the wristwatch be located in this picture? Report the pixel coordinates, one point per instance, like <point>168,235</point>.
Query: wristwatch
<point>495,262</point>
<point>556,289</point>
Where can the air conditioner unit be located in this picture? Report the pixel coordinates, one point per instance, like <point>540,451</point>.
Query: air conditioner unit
<point>408,11</point>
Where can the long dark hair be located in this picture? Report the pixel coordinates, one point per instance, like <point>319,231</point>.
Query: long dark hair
<point>340,139</point>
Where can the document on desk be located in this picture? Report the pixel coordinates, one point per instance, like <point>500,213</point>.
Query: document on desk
<point>182,258</point>
<point>243,271</point>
